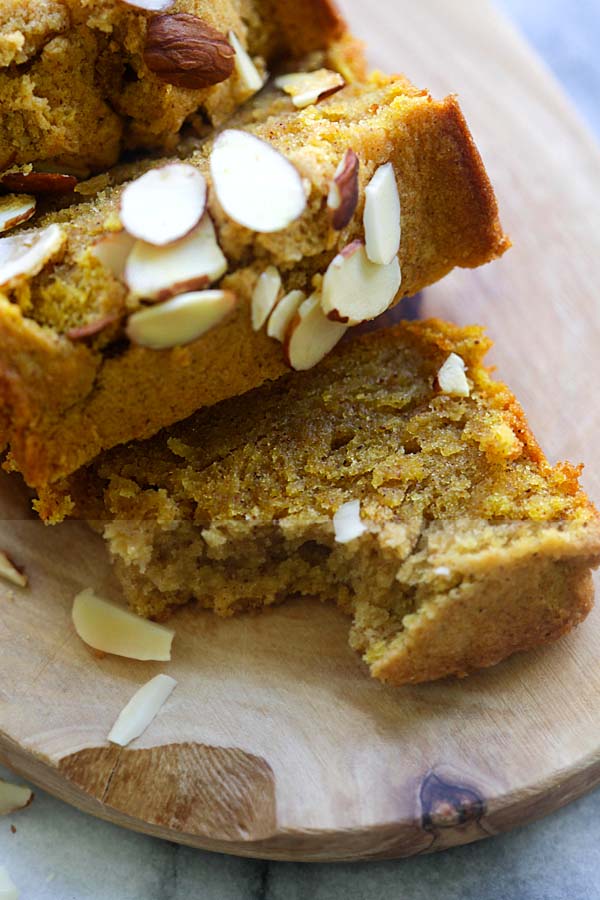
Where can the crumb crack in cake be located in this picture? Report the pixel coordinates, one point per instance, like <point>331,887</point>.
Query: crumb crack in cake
<point>471,546</point>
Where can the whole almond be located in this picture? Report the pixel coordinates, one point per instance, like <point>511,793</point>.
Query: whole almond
<point>183,50</point>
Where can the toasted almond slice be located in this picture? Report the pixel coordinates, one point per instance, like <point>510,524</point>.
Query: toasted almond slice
<point>111,629</point>
<point>306,88</point>
<point>284,312</point>
<point>150,5</point>
<point>24,255</point>
<point>8,889</point>
<point>311,335</point>
<point>265,296</point>
<point>180,320</point>
<point>343,191</point>
<point>355,289</point>
<point>141,710</point>
<point>113,251</point>
<point>164,204</point>
<point>194,262</point>
<point>91,329</point>
<point>11,572</point>
<point>13,797</point>
<point>347,523</point>
<point>382,216</point>
<point>15,209</point>
<point>39,182</point>
<point>255,184</point>
<point>452,377</point>
<point>248,75</point>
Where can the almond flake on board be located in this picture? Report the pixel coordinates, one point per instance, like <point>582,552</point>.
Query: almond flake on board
<point>164,204</point>
<point>255,184</point>
<point>8,889</point>
<point>141,710</point>
<point>180,320</point>
<point>13,797</point>
<point>355,289</point>
<point>311,335</point>
<point>307,88</point>
<point>112,629</point>
<point>194,262</point>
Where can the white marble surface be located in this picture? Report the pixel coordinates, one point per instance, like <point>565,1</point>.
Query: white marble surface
<point>60,854</point>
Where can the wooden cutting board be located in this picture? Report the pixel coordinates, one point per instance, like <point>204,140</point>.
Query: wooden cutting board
<point>275,744</point>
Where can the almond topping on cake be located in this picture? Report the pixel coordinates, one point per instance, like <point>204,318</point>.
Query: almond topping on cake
<point>452,377</point>
<point>179,321</point>
<point>343,191</point>
<point>307,88</point>
<point>164,204</point>
<point>283,314</point>
<point>15,209</point>
<point>113,252</point>
<point>347,524</point>
<point>24,255</point>
<point>194,262</point>
<point>311,335</point>
<point>183,50</point>
<point>110,629</point>
<point>141,710</point>
<point>39,182</point>
<point>355,289</point>
<point>149,5</point>
<point>264,297</point>
<point>382,216</point>
<point>255,184</point>
<point>249,77</point>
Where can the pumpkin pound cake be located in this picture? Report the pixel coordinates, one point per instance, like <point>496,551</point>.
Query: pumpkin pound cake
<point>396,479</point>
<point>134,306</point>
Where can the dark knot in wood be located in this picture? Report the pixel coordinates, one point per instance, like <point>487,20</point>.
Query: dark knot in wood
<point>445,805</point>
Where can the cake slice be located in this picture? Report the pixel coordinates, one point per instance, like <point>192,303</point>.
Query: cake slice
<point>91,355</point>
<point>396,479</point>
<point>79,82</point>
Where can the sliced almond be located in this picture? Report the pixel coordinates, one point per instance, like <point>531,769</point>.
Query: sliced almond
<point>113,251</point>
<point>11,572</point>
<point>24,255</point>
<point>249,77</point>
<point>382,216</point>
<point>141,710</point>
<point>452,378</point>
<point>194,262</point>
<point>255,184</point>
<point>13,797</point>
<point>356,290</point>
<point>311,335</point>
<point>150,5</point>
<point>91,329</point>
<point>265,296</point>
<point>343,192</point>
<point>281,317</point>
<point>15,209</point>
<point>8,889</point>
<point>347,523</point>
<point>181,320</point>
<point>164,204</point>
<point>39,182</point>
<point>306,88</point>
<point>111,629</point>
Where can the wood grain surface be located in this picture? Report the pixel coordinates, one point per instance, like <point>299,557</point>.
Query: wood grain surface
<point>275,744</point>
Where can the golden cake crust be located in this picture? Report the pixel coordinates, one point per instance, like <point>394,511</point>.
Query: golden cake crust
<point>76,88</point>
<point>474,546</point>
<point>66,401</point>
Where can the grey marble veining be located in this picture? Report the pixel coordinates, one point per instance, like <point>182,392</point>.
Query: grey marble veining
<point>60,854</point>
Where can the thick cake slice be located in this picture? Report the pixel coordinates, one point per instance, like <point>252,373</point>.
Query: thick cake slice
<point>80,81</point>
<point>91,355</point>
<point>396,479</point>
